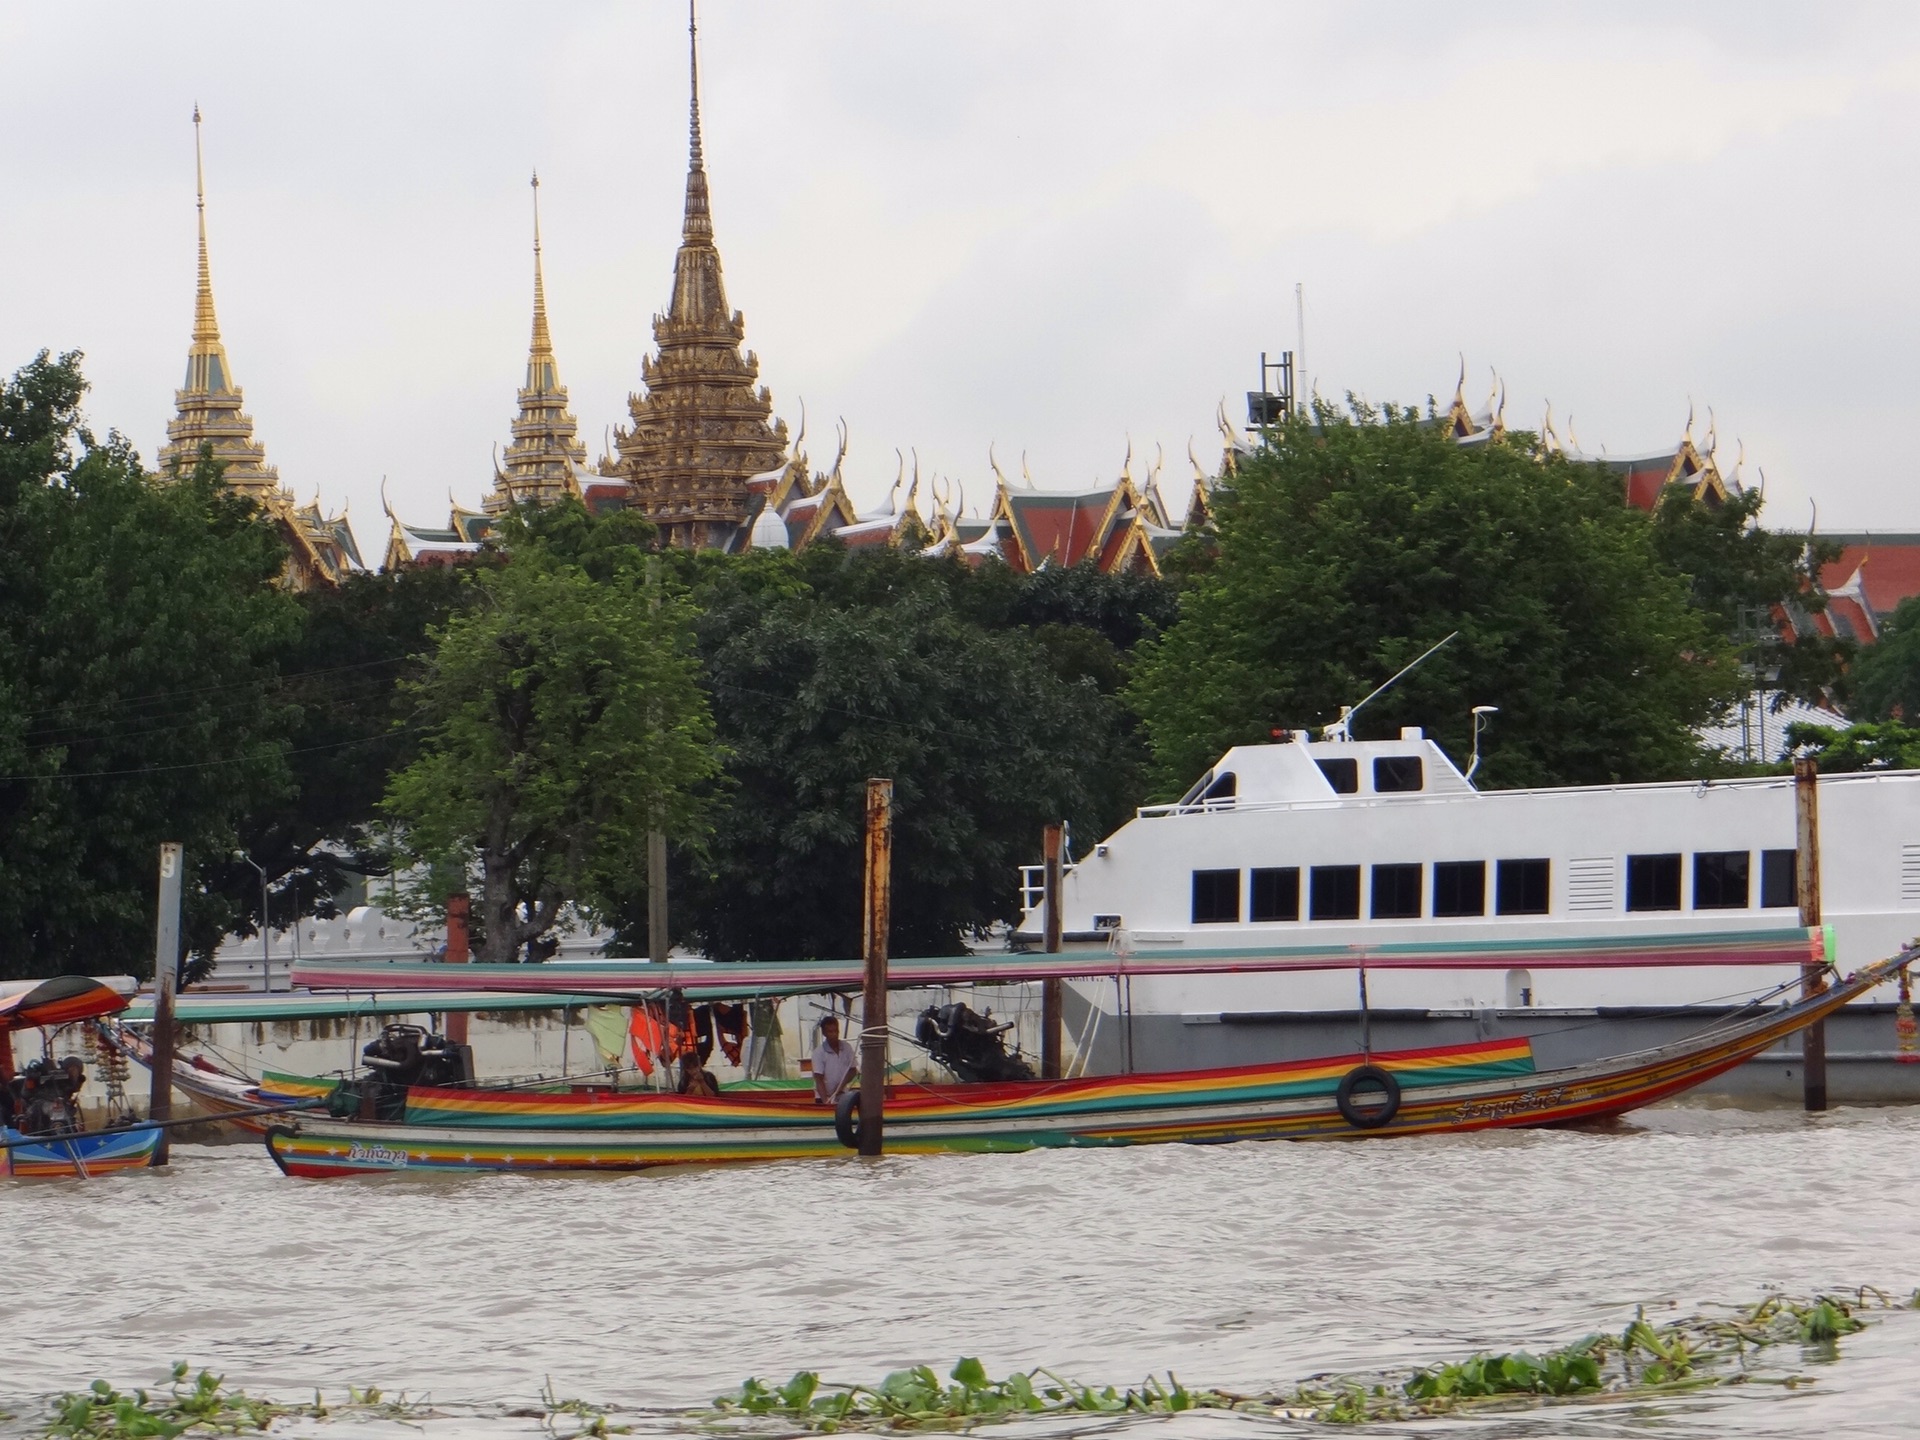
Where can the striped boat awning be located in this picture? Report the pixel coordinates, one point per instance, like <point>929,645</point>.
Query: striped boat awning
<point>584,981</point>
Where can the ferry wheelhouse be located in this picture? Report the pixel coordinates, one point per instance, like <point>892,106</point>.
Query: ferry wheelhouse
<point>1384,847</point>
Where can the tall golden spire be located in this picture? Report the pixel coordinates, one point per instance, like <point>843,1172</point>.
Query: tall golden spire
<point>207,405</point>
<point>702,429</point>
<point>545,457</point>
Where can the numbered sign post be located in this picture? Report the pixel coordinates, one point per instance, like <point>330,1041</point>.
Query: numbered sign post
<point>166,975</point>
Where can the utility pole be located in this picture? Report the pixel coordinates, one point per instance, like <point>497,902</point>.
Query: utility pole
<point>1050,989</point>
<point>1813,980</point>
<point>658,944</point>
<point>166,978</point>
<point>873,1000</point>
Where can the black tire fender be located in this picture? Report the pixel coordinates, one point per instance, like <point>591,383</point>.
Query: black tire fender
<point>846,1119</point>
<point>1368,1117</point>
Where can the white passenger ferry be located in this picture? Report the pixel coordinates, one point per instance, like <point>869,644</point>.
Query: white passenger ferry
<point>1357,845</point>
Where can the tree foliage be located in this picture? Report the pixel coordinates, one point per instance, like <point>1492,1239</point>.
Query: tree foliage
<point>560,719</point>
<point>1869,745</point>
<point>1884,683</point>
<point>1351,543</point>
<point>140,628</point>
<point>829,667</point>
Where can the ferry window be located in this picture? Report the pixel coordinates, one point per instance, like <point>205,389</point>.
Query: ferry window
<point>1396,892</point>
<point>1225,788</point>
<point>1779,879</point>
<point>1520,887</point>
<point>1276,894</point>
<point>1334,891</point>
<point>1653,882</point>
<point>1459,887</point>
<point>1398,772</point>
<point>1720,880</point>
<point>1342,775</point>
<point>1216,897</point>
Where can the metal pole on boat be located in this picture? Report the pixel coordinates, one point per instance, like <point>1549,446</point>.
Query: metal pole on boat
<point>166,976</point>
<point>459,952</point>
<point>873,1000</point>
<point>1813,1039</point>
<point>1050,998</point>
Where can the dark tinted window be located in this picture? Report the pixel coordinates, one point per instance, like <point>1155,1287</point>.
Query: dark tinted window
<point>1225,788</point>
<point>1460,887</point>
<point>1334,892</point>
<point>1779,879</point>
<point>1653,882</point>
<point>1720,880</point>
<point>1216,897</point>
<point>1342,775</point>
<point>1276,894</point>
<point>1520,887</point>
<point>1396,892</point>
<point>1398,772</point>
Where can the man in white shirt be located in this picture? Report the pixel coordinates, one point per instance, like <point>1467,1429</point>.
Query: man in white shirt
<point>834,1063</point>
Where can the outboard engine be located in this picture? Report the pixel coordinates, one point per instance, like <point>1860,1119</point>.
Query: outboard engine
<point>45,1097</point>
<point>971,1045</point>
<point>401,1056</point>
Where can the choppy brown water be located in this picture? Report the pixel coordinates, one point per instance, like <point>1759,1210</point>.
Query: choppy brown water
<point>1242,1266</point>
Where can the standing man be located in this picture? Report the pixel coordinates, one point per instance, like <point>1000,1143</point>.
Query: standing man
<point>835,1063</point>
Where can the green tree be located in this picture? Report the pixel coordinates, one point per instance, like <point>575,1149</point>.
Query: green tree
<point>1743,577</point>
<point>561,716</point>
<point>140,627</point>
<point>830,667</point>
<point>1351,543</point>
<point>1869,745</point>
<point>1885,680</point>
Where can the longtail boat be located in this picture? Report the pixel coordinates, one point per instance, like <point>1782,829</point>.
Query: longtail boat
<point>41,1131</point>
<point>1365,1093</point>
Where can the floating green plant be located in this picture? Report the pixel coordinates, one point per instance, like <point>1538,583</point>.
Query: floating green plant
<point>1644,1358</point>
<point>204,1402</point>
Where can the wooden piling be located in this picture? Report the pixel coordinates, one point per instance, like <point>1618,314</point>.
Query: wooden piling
<point>166,976</point>
<point>658,945</point>
<point>1813,980</point>
<point>1050,990</point>
<point>459,952</point>
<point>874,930</point>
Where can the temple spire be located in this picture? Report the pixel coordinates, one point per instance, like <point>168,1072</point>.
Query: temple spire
<point>697,227</point>
<point>540,350</point>
<point>206,329</point>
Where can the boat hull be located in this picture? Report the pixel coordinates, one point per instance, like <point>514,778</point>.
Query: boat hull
<point>1456,1089</point>
<point>80,1156</point>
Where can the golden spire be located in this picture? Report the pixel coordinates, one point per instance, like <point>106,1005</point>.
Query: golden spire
<point>206,329</point>
<point>541,372</point>
<point>698,223</point>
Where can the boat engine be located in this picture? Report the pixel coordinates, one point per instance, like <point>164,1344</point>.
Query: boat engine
<point>401,1056</point>
<point>44,1098</point>
<point>969,1044</point>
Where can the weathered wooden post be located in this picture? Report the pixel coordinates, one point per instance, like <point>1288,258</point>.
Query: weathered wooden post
<point>1050,997</point>
<point>459,952</point>
<point>873,999</point>
<point>166,976</point>
<point>1813,980</point>
<point>658,944</point>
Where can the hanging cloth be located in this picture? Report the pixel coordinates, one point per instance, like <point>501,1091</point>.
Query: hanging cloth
<point>648,1036</point>
<point>730,1029</point>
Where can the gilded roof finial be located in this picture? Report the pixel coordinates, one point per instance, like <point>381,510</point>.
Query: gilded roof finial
<point>698,223</point>
<point>206,329</point>
<point>542,343</point>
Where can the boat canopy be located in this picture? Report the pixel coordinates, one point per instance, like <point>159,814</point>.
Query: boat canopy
<point>255,1007</point>
<point>63,1000</point>
<point>588,981</point>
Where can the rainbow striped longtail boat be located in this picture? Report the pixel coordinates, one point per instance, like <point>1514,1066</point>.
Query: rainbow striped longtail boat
<point>1413,1092</point>
<point>61,1150</point>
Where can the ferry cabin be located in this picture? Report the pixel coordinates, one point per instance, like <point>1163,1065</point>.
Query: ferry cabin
<point>1338,844</point>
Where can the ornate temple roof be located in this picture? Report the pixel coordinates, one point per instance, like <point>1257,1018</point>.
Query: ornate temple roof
<point>208,418</point>
<point>701,430</point>
<point>545,460</point>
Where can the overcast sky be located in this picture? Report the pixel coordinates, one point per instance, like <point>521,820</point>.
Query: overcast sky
<point>1047,226</point>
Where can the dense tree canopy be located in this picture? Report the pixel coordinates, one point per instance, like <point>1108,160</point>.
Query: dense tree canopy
<point>1884,683</point>
<point>1351,543</point>
<point>560,718</point>
<point>140,630</point>
<point>828,668</point>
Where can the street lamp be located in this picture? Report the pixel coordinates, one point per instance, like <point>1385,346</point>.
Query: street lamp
<point>266,941</point>
<point>1480,714</point>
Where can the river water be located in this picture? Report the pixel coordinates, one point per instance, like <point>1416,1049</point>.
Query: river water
<point>1246,1266</point>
